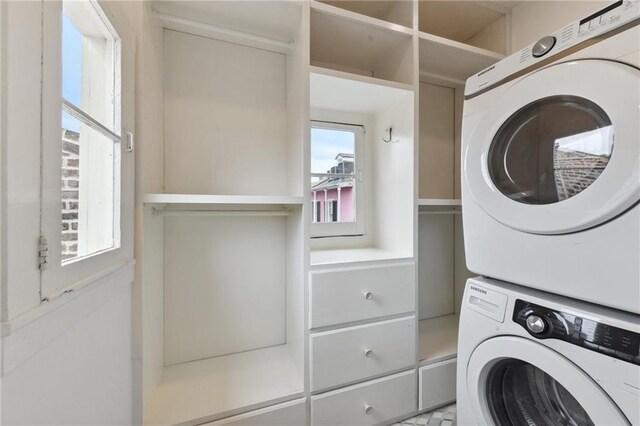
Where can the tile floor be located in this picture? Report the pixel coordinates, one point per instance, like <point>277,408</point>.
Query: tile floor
<point>443,416</point>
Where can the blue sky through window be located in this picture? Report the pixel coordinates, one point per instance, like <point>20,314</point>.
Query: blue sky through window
<point>71,69</point>
<point>326,144</point>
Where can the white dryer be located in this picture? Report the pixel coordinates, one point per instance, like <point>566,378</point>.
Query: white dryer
<point>531,358</point>
<point>551,162</point>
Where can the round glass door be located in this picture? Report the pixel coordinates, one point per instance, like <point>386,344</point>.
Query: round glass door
<point>519,393</point>
<point>551,150</point>
<point>557,151</point>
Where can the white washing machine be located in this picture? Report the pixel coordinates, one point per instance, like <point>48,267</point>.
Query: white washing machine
<point>551,162</point>
<point>531,358</point>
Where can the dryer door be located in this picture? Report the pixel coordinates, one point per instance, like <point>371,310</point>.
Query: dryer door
<point>560,151</point>
<point>515,381</point>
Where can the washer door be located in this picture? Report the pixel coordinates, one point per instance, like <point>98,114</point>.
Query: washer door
<point>515,381</point>
<point>559,152</point>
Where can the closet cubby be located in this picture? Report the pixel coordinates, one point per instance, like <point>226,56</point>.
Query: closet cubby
<point>393,11</point>
<point>386,180</point>
<point>482,24</point>
<point>224,246</point>
<point>351,43</point>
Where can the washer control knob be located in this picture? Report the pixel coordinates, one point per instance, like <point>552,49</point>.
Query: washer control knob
<point>536,324</point>
<point>543,46</point>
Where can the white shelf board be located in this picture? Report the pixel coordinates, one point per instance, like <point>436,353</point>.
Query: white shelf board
<point>452,60</point>
<point>221,199</point>
<point>209,389</point>
<point>353,92</point>
<point>353,255</point>
<point>438,339</point>
<point>439,202</point>
<point>357,17</point>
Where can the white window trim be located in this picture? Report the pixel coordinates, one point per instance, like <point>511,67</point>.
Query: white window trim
<point>58,279</point>
<point>338,229</point>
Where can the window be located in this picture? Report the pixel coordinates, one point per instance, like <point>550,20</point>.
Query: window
<point>336,179</point>
<point>90,132</point>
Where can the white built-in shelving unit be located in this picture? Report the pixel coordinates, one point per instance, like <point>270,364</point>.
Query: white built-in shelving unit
<point>243,312</point>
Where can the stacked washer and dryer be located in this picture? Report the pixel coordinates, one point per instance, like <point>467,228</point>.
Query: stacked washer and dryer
<point>550,335</point>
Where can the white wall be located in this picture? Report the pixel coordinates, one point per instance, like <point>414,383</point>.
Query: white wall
<point>532,20</point>
<point>69,360</point>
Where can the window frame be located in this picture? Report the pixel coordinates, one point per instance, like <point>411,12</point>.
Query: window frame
<point>58,278</point>
<point>343,229</point>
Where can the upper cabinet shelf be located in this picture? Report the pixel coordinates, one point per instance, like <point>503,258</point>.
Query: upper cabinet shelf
<point>480,24</point>
<point>452,60</point>
<point>394,15</point>
<point>346,41</point>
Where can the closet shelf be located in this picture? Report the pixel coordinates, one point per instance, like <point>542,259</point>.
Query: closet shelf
<point>438,339</point>
<point>209,389</point>
<point>207,199</point>
<point>357,17</point>
<point>439,202</point>
<point>452,60</point>
<point>354,255</point>
<point>358,78</point>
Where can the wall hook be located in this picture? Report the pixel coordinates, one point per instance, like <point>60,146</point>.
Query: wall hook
<point>390,130</point>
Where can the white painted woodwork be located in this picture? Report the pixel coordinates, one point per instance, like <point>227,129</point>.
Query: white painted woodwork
<point>207,199</point>
<point>276,20</point>
<point>293,413</point>
<point>452,60</point>
<point>493,37</point>
<point>437,142</point>
<point>342,356</point>
<point>389,397</point>
<point>336,9</point>
<point>436,269</point>
<point>225,120</point>
<point>437,202</point>
<point>339,295</point>
<point>437,384</point>
<point>393,181</point>
<point>208,283</point>
<point>352,256</point>
<point>214,388</point>
<point>461,273</point>
<point>397,12</point>
<point>347,92</point>
<point>437,339</point>
<point>359,47</point>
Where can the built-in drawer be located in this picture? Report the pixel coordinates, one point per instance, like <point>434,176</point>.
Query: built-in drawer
<point>367,403</point>
<point>292,413</point>
<point>437,384</point>
<point>357,353</point>
<point>354,294</point>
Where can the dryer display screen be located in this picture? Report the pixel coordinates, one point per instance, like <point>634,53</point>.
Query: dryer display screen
<point>545,323</point>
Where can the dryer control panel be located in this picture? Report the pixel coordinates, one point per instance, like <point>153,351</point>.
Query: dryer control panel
<point>615,17</point>
<point>545,323</point>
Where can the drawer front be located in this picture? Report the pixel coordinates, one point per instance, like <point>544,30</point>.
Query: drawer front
<point>292,413</point>
<point>368,403</point>
<point>357,353</point>
<point>437,384</point>
<point>340,295</point>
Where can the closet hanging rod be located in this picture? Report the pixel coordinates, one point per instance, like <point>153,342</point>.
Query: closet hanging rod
<point>221,213</point>
<point>364,129</point>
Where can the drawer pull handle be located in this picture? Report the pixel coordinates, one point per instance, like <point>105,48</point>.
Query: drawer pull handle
<point>368,353</point>
<point>368,409</point>
<point>368,295</point>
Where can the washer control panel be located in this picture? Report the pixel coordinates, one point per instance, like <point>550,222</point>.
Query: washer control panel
<point>616,15</point>
<point>545,323</point>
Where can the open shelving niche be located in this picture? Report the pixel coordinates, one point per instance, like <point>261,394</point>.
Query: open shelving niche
<point>345,41</point>
<point>456,40</point>
<point>387,182</point>
<point>224,247</point>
